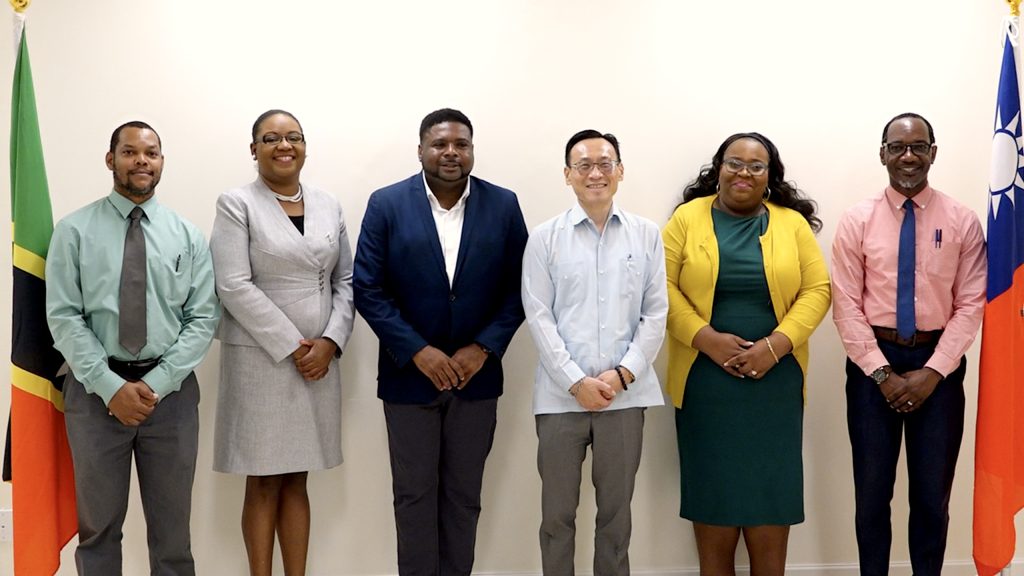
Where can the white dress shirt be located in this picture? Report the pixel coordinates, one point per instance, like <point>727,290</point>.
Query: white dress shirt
<point>449,227</point>
<point>594,301</point>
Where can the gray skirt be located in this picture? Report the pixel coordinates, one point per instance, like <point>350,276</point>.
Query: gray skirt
<point>270,420</point>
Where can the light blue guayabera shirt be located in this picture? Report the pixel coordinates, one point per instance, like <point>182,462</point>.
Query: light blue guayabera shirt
<point>83,277</point>
<point>594,301</point>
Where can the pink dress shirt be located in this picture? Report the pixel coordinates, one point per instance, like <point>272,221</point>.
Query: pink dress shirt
<point>950,275</point>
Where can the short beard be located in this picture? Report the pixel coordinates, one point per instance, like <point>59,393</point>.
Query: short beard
<point>133,191</point>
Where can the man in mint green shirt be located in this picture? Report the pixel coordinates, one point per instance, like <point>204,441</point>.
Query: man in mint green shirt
<point>119,403</point>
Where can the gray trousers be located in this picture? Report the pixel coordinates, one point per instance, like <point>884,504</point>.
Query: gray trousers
<point>616,439</point>
<point>164,447</point>
<point>438,452</point>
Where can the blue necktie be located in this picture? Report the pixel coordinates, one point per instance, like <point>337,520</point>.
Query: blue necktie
<point>905,318</point>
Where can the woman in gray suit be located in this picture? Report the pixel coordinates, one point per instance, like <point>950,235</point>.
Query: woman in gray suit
<point>284,275</point>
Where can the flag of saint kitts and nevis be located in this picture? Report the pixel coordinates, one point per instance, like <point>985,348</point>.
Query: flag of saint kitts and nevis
<point>37,460</point>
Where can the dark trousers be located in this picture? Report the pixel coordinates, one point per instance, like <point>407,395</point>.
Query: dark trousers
<point>438,452</point>
<point>933,433</point>
<point>164,447</point>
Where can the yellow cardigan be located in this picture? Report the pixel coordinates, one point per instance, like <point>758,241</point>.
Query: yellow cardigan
<point>793,265</point>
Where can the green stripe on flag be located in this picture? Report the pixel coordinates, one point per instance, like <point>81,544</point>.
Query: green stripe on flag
<point>30,194</point>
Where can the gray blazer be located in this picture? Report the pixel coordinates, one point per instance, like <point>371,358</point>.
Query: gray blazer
<point>276,285</point>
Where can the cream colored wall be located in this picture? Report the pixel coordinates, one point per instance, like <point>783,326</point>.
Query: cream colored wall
<point>671,79</point>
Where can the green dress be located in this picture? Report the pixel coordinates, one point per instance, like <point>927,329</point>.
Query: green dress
<point>740,439</point>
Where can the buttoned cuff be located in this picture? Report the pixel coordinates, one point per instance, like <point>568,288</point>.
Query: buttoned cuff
<point>634,361</point>
<point>106,386</point>
<point>572,374</point>
<point>160,382</point>
<point>942,363</point>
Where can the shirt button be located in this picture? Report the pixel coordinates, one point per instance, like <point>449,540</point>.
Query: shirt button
<point>602,326</point>
<point>600,271</point>
<point>604,355</point>
<point>602,299</point>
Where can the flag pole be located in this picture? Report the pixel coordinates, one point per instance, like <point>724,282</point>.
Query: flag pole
<point>19,20</point>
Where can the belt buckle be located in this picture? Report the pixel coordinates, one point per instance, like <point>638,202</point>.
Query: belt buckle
<point>912,341</point>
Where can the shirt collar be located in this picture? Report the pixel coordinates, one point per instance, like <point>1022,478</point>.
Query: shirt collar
<point>124,206</point>
<point>436,203</point>
<point>577,215</point>
<point>921,199</point>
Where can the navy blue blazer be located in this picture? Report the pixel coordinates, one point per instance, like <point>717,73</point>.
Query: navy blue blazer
<point>402,290</point>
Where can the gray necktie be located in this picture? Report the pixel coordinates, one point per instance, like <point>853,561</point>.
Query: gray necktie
<point>132,315</point>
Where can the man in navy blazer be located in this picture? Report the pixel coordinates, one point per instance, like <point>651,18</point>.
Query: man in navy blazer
<point>437,278</point>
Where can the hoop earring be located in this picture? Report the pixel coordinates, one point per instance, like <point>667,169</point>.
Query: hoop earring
<point>767,194</point>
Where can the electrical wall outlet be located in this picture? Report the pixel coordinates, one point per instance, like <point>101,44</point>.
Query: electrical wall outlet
<point>6,525</point>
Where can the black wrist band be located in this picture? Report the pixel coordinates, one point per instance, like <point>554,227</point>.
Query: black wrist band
<point>618,370</point>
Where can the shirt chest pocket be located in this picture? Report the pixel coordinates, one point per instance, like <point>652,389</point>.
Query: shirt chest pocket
<point>172,276</point>
<point>941,259</point>
<point>631,276</point>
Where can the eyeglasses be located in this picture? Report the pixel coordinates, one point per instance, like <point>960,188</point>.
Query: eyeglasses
<point>735,166</point>
<point>899,148</point>
<point>585,168</point>
<point>273,138</point>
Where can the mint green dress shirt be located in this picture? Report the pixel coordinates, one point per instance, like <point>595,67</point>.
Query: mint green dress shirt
<point>83,275</point>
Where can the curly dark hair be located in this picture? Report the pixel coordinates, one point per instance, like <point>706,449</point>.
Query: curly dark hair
<point>783,193</point>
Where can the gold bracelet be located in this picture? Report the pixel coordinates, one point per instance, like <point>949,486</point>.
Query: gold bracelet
<point>771,349</point>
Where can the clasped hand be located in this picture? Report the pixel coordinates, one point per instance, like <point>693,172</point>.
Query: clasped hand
<point>595,394</point>
<point>907,392</point>
<point>737,356</point>
<point>447,372</point>
<point>133,403</point>
<point>313,357</point>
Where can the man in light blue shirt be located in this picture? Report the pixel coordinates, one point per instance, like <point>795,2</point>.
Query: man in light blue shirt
<point>596,304</point>
<point>131,389</point>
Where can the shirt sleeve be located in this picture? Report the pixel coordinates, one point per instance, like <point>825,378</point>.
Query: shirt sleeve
<point>199,317</point>
<point>650,331</point>
<point>848,296</point>
<point>538,301</point>
<point>65,307</point>
<point>969,287</point>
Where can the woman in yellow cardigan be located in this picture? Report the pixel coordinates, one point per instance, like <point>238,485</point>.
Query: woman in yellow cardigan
<point>747,286</point>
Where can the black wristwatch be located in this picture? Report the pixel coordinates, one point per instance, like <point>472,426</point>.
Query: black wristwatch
<point>881,374</point>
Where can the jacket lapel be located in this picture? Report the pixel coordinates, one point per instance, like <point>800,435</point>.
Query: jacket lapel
<point>287,232</point>
<point>469,219</point>
<point>421,208</point>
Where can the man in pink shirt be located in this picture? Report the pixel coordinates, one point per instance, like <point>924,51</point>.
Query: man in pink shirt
<point>908,275</point>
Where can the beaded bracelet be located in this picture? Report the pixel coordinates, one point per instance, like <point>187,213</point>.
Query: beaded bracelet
<point>618,370</point>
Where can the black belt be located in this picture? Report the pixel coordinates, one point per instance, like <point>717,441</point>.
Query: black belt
<point>132,369</point>
<point>920,338</point>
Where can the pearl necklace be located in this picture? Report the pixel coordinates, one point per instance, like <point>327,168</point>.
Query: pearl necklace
<point>294,199</point>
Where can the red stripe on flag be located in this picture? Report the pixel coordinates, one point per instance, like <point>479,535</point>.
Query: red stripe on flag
<point>43,485</point>
<point>998,469</point>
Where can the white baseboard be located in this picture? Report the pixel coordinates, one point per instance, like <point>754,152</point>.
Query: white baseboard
<point>897,569</point>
